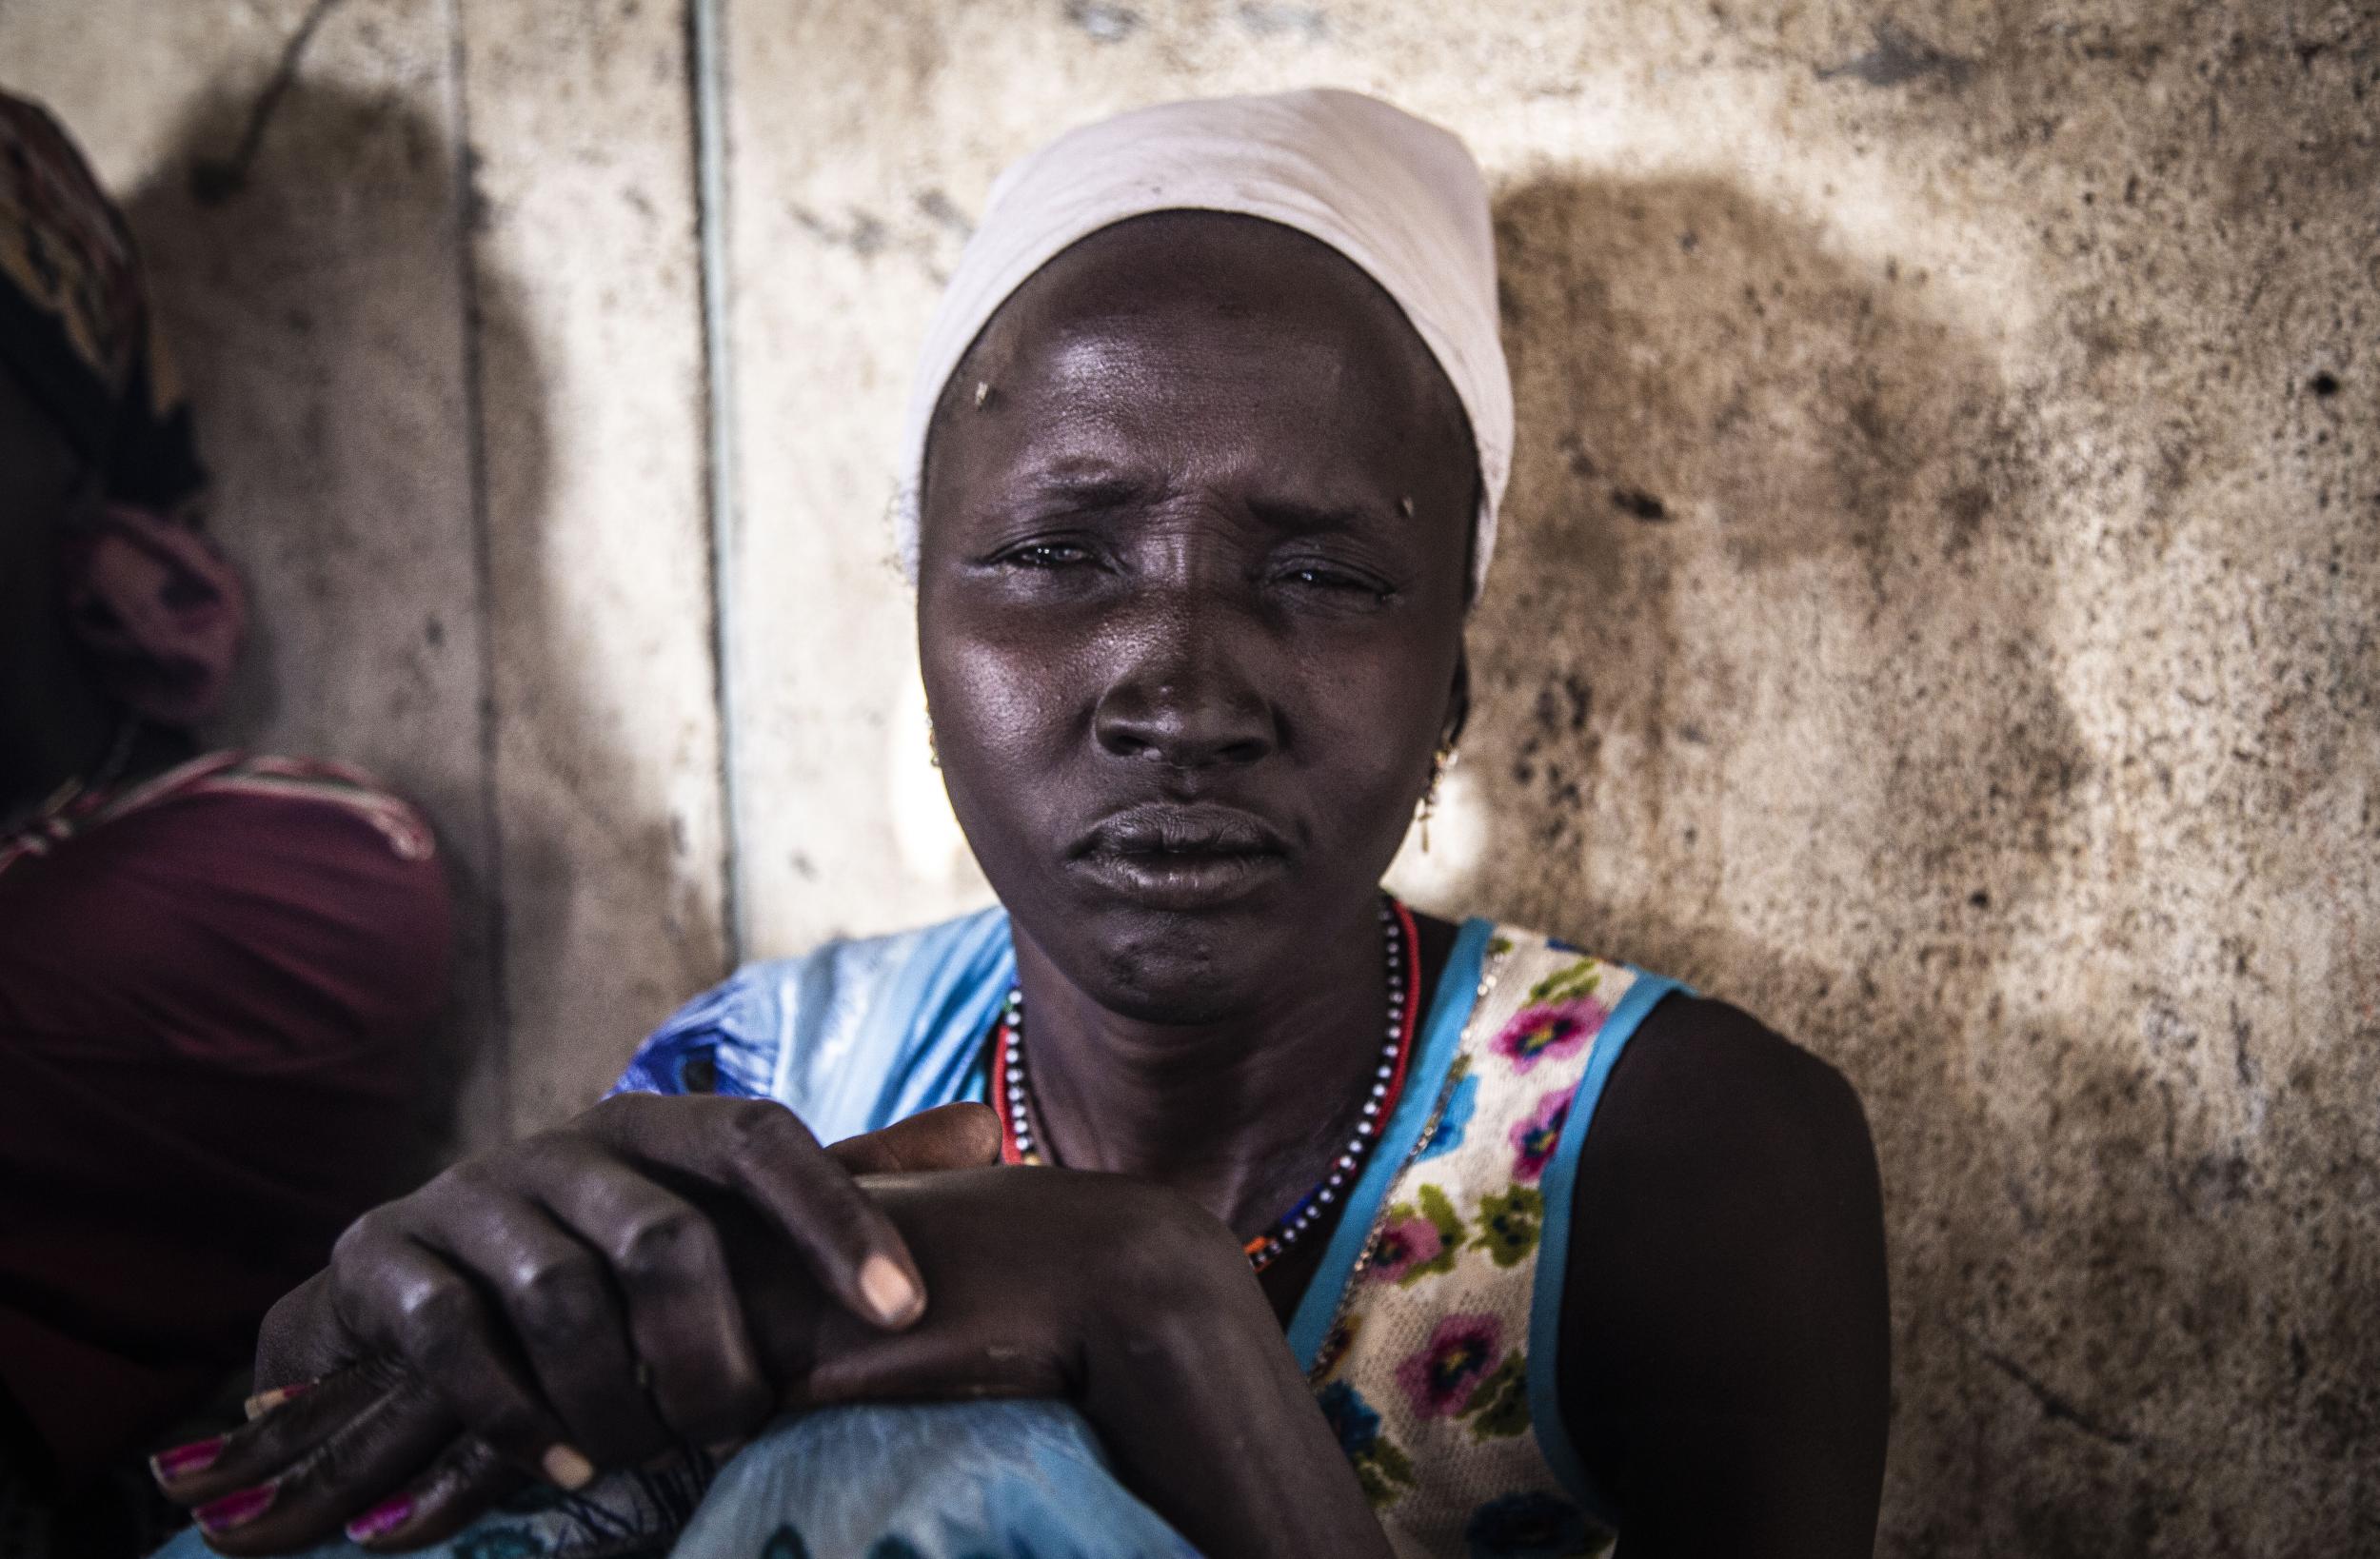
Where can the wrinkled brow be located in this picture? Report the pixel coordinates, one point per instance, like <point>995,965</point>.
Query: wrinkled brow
<point>1078,486</point>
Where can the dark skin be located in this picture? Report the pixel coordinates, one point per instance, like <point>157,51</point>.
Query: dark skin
<point>1190,616</point>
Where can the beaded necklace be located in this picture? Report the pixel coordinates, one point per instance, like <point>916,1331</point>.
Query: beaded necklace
<point>1388,1081</point>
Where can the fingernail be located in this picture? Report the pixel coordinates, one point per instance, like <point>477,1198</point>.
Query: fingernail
<point>384,1517</point>
<point>236,1509</point>
<point>263,1402</point>
<point>184,1460</point>
<point>890,1294</point>
<point>566,1466</point>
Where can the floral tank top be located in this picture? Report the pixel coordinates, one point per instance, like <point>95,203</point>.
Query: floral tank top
<point>1437,1367</point>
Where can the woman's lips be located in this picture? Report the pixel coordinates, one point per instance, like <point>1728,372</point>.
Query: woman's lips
<point>1181,856</point>
<point>1185,880</point>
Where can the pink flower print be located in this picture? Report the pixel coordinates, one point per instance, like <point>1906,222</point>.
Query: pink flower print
<point>1404,1245</point>
<point>1536,1136</point>
<point>1549,1031</point>
<point>1439,1379</point>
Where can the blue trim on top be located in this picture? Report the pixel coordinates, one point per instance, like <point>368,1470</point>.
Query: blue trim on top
<point>1425,1078</point>
<point>1545,1298</point>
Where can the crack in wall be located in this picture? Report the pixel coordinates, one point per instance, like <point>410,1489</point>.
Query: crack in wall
<point>706,70</point>
<point>2056,1405</point>
<point>214,180</point>
<point>466,206</point>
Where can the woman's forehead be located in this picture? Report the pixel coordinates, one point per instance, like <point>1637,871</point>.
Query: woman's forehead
<point>1187,265</point>
<point>1242,325</point>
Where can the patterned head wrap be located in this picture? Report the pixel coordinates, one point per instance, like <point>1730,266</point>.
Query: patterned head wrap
<point>156,606</point>
<point>1396,194</point>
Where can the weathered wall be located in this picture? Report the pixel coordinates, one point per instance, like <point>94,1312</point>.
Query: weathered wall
<point>1938,610</point>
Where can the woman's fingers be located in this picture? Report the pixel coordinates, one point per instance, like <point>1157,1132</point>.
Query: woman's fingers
<point>683,1316</point>
<point>570,1300</point>
<point>761,1150</point>
<point>949,1137</point>
<point>402,1299</point>
<point>301,1339</point>
<point>272,1442</point>
<point>296,1474</point>
<point>566,1316</point>
<point>462,1486</point>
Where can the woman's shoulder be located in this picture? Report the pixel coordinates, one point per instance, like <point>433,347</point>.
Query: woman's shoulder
<point>1712,1243</point>
<point>1703,1042</point>
<point>1727,1267</point>
<point>1671,1088</point>
<point>842,968</point>
<point>745,1035</point>
<point>311,804</point>
<point>278,904</point>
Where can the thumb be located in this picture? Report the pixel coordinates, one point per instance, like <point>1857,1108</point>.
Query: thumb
<point>947,1137</point>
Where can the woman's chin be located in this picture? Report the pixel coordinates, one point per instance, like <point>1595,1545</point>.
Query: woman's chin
<point>1173,966</point>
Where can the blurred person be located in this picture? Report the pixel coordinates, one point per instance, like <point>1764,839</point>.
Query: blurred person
<point>216,969</point>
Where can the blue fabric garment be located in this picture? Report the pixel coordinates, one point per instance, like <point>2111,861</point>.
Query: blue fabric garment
<point>1011,1480</point>
<point>852,1036</point>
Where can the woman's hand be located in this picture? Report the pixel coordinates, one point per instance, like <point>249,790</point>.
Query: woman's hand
<point>1117,1295</point>
<point>1136,1305</point>
<point>566,1300</point>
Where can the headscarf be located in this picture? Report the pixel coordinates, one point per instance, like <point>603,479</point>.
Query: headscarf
<point>1397,195</point>
<point>158,609</point>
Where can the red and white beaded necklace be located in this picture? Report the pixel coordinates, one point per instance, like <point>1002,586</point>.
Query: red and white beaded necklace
<point>1388,1082</point>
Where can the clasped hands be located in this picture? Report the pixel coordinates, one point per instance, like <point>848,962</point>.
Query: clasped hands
<point>671,1272</point>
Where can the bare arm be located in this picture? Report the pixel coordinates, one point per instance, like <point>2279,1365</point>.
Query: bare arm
<point>1725,1346</point>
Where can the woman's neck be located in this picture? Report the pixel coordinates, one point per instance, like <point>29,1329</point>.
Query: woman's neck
<point>1240,1115</point>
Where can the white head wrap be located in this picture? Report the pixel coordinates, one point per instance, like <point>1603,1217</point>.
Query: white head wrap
<point>1397,195</point>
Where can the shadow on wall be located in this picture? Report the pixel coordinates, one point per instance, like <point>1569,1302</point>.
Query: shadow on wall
<point>1766,702</point>
<point>345,343</point>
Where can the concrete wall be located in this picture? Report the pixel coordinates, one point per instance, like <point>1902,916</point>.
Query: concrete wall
<point>1938,611</point>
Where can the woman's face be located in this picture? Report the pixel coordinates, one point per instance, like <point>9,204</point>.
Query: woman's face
<point>1193,559</point>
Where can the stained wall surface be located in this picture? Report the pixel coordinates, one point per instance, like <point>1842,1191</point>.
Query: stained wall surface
<point>1937,607</point>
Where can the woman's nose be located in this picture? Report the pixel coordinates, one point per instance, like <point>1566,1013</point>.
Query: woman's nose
<point>1185,698</point>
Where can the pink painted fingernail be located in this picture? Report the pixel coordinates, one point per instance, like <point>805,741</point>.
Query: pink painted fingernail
<point>236,1509</point>
<point>384,1517</point>
<point>184,1460</point>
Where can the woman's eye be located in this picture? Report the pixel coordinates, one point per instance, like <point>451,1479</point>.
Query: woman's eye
<point>1317,576</point>
<point>1047,555</point>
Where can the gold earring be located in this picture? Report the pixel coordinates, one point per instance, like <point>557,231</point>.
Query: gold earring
<point>1439,762</point>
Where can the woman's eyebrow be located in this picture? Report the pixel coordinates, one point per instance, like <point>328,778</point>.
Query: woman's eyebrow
<point>1305,518</point>
<point>1100,489</point>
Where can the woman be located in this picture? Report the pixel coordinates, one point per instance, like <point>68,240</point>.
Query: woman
<point>214,968</point>
<point>1207,446</point>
